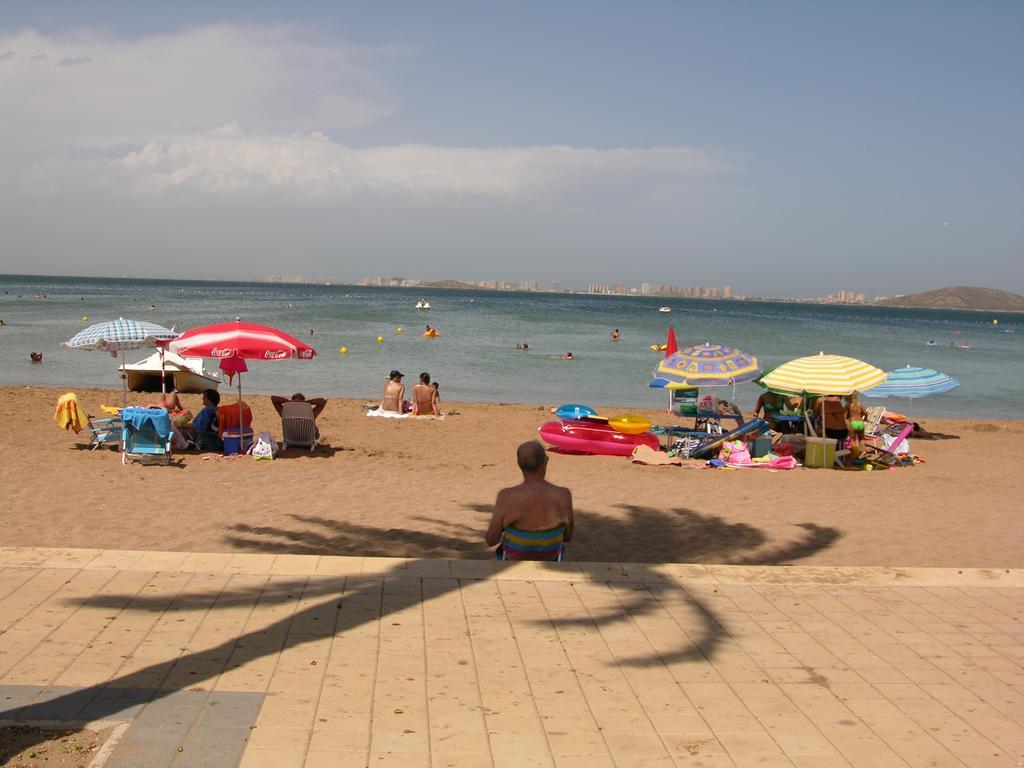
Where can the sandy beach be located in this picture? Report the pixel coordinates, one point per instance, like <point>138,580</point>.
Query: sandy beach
<point>425,488</point>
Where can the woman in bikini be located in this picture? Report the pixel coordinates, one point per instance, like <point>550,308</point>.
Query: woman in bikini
<point>856,415</point>
<point>394,392</point>
<point>424,397</point>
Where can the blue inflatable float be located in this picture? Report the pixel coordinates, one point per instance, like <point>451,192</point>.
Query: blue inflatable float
<point>572,412</point>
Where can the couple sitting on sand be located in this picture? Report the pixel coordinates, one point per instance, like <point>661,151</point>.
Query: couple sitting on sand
<point>532,520</point>
<point>426,397</point>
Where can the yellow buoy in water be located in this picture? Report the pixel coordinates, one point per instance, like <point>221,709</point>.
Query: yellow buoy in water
<point>995,322</point>
<point>398,329</point>
<point>85,318</point>
<point>343,351</point>
<point>380,339</point>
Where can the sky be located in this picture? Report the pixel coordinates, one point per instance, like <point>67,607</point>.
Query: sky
<point>784,148</point>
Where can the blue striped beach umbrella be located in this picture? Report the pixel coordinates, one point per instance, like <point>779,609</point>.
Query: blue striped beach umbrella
<point>115,336</point>
<point>913,383</point>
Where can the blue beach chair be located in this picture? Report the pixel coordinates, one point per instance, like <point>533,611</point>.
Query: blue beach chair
<point>104,432</point>
<point>146,434</point>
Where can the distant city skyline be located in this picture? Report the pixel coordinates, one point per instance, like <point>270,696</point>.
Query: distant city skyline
<point>784,149</point>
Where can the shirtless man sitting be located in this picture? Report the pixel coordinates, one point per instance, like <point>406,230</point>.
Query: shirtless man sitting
<point>318,403</point>
<point>534,504</point>
<point>394,393</point>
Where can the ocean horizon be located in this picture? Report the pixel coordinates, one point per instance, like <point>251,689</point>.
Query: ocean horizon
<point>475,358</point>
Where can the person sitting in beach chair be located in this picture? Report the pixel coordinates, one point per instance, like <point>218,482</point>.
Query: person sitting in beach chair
<point>203,431</point>
<point>532,520</point>
<point>298,419</point>
<point>774,408</point>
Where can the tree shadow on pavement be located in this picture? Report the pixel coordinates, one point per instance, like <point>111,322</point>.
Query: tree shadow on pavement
<point>327,606</point>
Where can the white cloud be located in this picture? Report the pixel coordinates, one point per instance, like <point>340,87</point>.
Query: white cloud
<point>90,90</point>
<point>229,161</point>
<point>90,110</point>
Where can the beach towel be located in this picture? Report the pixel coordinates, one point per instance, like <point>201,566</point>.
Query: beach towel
<point>386,414</point>
<point>767,462</point>
<point>156,419</point>
<point>644,454</point>
<point>70,414</point>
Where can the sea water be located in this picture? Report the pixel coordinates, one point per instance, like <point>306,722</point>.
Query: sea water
<point>475,358</point>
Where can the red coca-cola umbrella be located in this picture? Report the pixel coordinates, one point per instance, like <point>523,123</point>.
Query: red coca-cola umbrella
<point>234,342</point>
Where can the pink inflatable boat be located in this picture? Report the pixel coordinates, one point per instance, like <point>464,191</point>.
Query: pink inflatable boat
<point>593,437</point>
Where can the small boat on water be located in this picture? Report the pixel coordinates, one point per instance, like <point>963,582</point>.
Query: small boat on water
<point>185,374</point>
<point>422,304</point>
<point>664,309</point>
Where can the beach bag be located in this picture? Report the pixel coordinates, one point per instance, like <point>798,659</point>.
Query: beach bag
<point>735,452</point>
<point>265,447</point>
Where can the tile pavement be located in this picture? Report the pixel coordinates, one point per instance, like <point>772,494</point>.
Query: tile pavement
<point>283,660</point>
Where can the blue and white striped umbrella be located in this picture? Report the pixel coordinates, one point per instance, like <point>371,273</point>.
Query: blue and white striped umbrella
<point>913,383</point>
<point>120,334</point>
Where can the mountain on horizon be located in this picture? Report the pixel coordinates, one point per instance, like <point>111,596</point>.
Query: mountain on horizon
<point>959,297</point>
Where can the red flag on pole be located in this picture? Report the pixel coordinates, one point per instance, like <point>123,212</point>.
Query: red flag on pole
<point>670,344</point>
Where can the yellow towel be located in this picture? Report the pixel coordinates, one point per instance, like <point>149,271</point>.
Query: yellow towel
<point>69,413</point>
<point>110,409</point>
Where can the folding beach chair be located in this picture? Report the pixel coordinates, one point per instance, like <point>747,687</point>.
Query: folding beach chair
<point>533,545</point>
<point>892,447</point>
<point>104,432</point>
<point>146,434</point>
<point>707,448</point>
<point>298,425</point>
<point>70,415</point>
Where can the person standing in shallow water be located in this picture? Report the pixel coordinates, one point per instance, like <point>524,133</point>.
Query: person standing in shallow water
<point>616,335</point>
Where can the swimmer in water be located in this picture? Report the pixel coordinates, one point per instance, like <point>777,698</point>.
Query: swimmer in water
<point>616,335</point>
<point>567,356</point>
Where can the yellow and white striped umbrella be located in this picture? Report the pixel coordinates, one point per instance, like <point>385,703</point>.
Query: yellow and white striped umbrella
<point>823,374</point>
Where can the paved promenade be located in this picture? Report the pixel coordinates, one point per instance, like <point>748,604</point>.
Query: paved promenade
<point>289,661</point>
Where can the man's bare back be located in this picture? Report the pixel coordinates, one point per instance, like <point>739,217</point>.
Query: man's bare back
<point>534,504</point>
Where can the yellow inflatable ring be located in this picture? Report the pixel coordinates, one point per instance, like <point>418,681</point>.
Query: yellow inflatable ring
<point>629,424</point>
<point>431,334</point>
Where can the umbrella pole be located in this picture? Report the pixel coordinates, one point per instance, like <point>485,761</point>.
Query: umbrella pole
<point>124,398</point>
<point>241,429</point>
<point>163,377</point>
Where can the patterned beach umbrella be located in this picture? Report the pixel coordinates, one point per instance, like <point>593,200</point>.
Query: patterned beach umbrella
<point>120,334</point>
<point>823,374</point>
<point>913,382</point>
<point>115,336</point>
<point>705,365</point>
